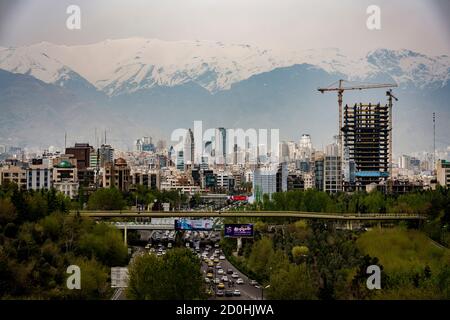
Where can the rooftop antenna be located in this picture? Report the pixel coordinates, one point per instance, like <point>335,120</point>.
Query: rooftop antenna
<point>105,136</point>
<point>65,141</point>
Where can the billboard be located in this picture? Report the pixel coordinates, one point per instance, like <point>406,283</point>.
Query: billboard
<point>238,230</point>
<point>193,224</point>
<point>239,198</point>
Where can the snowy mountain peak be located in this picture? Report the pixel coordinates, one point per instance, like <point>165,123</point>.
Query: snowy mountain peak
<point>121,66</point>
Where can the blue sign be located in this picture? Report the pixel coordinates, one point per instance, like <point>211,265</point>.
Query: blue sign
<point>238,230</point>
<point>190,224</point>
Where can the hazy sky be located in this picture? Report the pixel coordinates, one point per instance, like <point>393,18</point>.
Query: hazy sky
<point>421,25</point>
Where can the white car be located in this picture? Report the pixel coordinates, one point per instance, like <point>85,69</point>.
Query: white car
<point>235,275</point>
<point>236,292</point>
<point>220,271</point>
<point>239,281</point>
<point>222,258</point>
<point>225,279</point>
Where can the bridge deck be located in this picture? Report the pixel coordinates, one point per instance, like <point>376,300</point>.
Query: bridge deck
<point>255,214</point>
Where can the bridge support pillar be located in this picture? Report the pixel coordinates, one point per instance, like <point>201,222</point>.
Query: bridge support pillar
<point>239,245</point>
<point>125,235</point>
<point>349,225</point>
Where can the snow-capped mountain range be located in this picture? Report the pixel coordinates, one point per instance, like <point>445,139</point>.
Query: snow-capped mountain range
<point>124,66</point>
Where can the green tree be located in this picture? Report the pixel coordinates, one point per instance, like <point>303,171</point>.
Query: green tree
<point>175,276</point>
<point>299,252</point>
<point>105,243</point>
<point>106,199</point>
<point>7,211</point>
<point>292,283</point>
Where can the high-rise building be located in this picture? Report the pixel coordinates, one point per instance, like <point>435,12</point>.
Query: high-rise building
<point>332,175</point>
<point>269,179</point>
<point>319,163</point>
<point>368,141</point>
<point>404,162</point>
<point>304,147</point>
<point>189,148</point>
<point>106,155</point>
<point>220,146</point>
<point>180,160</point>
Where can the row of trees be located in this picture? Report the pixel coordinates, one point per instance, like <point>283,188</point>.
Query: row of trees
<point>114,199</point>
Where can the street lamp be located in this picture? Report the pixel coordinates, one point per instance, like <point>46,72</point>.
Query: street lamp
<point>262,291</point>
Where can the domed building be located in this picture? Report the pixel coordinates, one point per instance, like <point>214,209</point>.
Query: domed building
<point>65,177</point>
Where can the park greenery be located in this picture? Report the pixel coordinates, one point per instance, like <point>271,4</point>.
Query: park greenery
<point>39,240</point>
<point>314,261</point>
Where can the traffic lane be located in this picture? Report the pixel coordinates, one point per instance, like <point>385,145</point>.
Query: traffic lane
<point>252,292</point>
<point>243,296</point>
<point>248,291</point>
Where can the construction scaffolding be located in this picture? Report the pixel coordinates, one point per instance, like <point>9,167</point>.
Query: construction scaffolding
<point>367,142</point>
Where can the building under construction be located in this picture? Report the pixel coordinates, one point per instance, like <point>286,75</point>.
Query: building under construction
<point>367,143</point>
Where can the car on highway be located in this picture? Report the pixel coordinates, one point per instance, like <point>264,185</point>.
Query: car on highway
<point>222,257</point>
<point>221,285</point>
<point>219,293</point>
<point>224,279</point>
<point>228,293</point>
<point>216,260</point>
<point>220,271</point>
<point>230,271</point>
<point>216,281</point>
<point>253,283</point>
<point>216,245</point>
<point>239,281</point>
<point>209,275</point>
<point>218,266</point>
<point>236,293</point>
<point>235,275</point>
<point>210,264</point>
<point>207,280</point>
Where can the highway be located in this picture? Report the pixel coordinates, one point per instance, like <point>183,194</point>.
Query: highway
<point>254,214</point>
<point>248,292</point>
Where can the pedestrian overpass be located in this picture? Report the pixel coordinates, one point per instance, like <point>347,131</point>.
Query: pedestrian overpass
<point>104,214</point>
